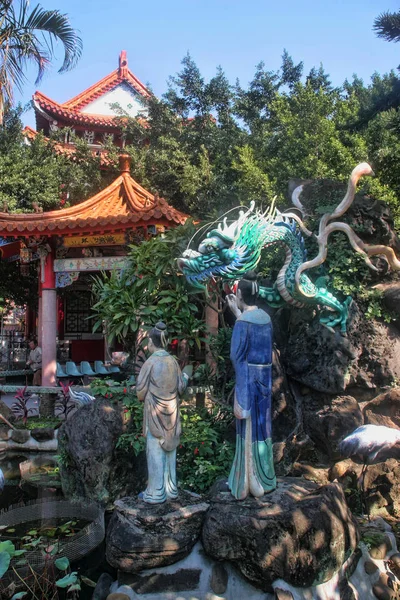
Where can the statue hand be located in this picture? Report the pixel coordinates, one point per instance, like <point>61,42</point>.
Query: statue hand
<point>231,301</point>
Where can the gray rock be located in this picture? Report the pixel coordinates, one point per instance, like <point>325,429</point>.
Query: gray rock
<point>370,567</point>
<point>92,466</point>
<point>325,361</point>
<point>283,404</point>
<point>42,434</point>
<point>6,412</point>
<point>394,564</point>
<point>219,579</point>
<point>382,485</point>
<point>384,409</point>
<point>328,425</point>
<point>20,436</point>
<point>387,579</point>
<point>142,536</point>
<point>391,295</point>
<point>283,594</point>
<point>118,596</point>
<point>102,588</point>
<point>382,548</point>
<point>181,580</point>
<point>382,592</point>
<point>125,589</point>
<point>283,535</point>
<point>3,431</point>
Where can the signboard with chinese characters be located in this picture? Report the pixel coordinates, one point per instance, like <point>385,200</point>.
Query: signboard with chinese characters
<point>106,239</point>
<point>103,263</point>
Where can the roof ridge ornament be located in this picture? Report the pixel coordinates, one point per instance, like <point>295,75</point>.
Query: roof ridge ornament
<point>123,64</point>
<point>124,163</point>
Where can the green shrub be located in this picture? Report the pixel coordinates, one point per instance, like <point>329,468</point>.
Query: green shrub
<point>204,453</point>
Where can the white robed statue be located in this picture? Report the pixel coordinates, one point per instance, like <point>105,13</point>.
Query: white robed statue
<point>159,385</point>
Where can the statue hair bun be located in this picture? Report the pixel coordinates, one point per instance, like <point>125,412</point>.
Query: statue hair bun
<point>250,276</point>
<point>161,326</point>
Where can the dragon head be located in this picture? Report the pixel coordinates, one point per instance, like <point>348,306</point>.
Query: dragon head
<point>228,251</point>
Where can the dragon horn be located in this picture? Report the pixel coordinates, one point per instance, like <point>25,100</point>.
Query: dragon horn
<point>360,170</point>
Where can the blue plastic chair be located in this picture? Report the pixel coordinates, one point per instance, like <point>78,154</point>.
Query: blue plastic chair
<point>72,369</point>
<point>60,373</point>
<point>131,380</point>
<point>100,368</point>
<point>114,369</point>
<point>86,369</point>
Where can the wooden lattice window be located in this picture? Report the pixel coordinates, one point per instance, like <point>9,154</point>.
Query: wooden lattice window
<point>77,311</point>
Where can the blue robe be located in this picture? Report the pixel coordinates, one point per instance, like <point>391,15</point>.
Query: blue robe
<point>251,354</point>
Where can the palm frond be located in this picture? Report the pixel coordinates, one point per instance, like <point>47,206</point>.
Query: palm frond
<point>31,35</point>
<point>58,27</point>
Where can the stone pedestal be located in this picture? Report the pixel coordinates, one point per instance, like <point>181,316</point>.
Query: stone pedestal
<point>143,536</point>
<point>300,533</point>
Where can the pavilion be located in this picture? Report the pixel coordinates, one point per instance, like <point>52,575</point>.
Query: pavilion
<point>71,242</point>
<point>91,115</point>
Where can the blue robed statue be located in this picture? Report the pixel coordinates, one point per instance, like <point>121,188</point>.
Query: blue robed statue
<point>251,354</point>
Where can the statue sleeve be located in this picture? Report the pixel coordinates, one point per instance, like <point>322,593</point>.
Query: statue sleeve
<point>142,382</point>
<point>182,382</point>
<point>239,351</point>
<point>239,343</point>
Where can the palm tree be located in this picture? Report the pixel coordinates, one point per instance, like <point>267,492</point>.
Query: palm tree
<point>387,26</point>
<point>28,35</point>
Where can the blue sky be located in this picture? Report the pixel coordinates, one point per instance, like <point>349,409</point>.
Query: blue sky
<point>236,35</point>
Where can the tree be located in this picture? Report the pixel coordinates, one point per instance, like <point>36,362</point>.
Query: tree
<point>387,26</point>
<point>28,35</point>
<point>150,289</point>
<point>35,173</point>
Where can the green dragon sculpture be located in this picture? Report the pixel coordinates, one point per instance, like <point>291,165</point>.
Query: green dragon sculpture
<point>231,250</point>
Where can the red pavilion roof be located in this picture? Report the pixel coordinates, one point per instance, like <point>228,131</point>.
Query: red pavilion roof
<point>123,204</point>
<point>71,111</point>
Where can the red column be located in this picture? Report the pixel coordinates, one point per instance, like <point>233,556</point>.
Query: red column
<point>49,323</point>
<point>39,319</point>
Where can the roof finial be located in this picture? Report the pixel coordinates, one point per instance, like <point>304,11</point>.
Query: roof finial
<point>123,64</point>
<point>124,163</point>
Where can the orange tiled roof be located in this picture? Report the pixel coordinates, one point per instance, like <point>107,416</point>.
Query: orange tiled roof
<point>71,110</point>
<point>68,149</point>
<point>71,115</point>
<point>59,147</point>
<point>120,75</point>
<point>121,205</point>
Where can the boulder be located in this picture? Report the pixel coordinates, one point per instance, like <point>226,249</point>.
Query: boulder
<point>4,429</point>
<point>328,362</point>
<point>282,594</point>
<point>300,533</point>
<point>102,589</point>
<point>20,435</point>
<point>391,296</point>
<point>384,409</point>
<point>87,444</point>
<point>328,425</point>
<point>142,536</point>
<point>283,414</point>
<point>394,564</point>
<point>219,579</point>
<point>382,592</point>
<point>42,434</point>
<point>6,412</point>
<point>382,486</point>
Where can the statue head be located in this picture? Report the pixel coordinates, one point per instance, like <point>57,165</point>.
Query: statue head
<point>158,337</point>
<point>247,290</point>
